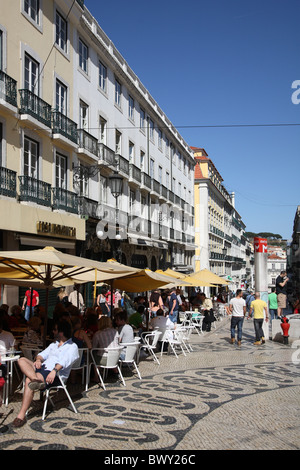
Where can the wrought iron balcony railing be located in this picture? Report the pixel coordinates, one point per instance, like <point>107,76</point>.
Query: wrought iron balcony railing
<point>61,124</point>
<point>8,182</point>
<point>34,190</point>
<point>35,106</point>
<point>107,155</point>
<point>8,89</point>
<point>87,141</point>
<point>65,200</point>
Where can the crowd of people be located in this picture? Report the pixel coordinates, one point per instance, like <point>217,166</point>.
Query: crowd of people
<point>115,319</point>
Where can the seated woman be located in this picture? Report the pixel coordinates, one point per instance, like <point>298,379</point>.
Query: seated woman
<point>33,334</point>
<point>105,337</point>
<point>79,336</point>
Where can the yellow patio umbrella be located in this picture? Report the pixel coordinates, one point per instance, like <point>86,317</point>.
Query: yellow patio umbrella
<point>205,278</point>
<point>142,281</point>
<point>49,266</point>
<point>171,273</point>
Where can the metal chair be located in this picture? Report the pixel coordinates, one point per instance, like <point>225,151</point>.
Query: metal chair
<point>174,338</point>
<point>197,320</point>
<point>62,386</point>
<point>109,359</point>
<point>131,352</point>
<point>82,363</point>
<point>150,343</point>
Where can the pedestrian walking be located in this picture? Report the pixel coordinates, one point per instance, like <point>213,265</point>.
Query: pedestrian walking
<point>273,305</point>
<point>249,299</point>
<point>237,308</point>
<point>30,301</point>
<point>260,309</point>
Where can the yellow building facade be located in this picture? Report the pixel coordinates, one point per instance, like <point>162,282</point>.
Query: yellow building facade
<point>37,202</point>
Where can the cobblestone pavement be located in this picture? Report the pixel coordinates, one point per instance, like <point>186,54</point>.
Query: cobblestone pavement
<point>220,396</point>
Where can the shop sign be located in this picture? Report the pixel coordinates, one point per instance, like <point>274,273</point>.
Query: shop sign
<point>55,230</point>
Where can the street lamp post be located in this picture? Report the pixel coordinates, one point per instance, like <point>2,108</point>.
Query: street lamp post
<point>116,185</point>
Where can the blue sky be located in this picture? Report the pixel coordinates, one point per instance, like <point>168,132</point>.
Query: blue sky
<point>224,63</point>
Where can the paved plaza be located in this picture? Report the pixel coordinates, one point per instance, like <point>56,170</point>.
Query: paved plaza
<point>218,397</point>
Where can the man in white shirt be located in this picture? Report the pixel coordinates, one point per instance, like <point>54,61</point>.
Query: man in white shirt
<point>161,321</point>
<point>237,307</point>
<point>57,357</point>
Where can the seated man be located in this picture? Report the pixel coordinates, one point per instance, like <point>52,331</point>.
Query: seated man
<point>125,331</point>
<point>57,357</point>
<point>164,324</point>
<point>161,321</point>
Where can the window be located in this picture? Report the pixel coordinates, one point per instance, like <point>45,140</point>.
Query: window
<point>31,155</point>
<point>131,152</point>
<point>179,161</point>
<point>159,139</point>
<point>151,167</point>
<point>142,119</point>
<point>102,76</point>
<point>102,130</point>
<point>61,97</point>
<point>103,189</point>
<point>84,115</point>
<point>61,32</point>
<point>83,56</point>
<point>167,179</point>
<point>118,90</point>
<point>131,199</point>
<point>118,142</point>
<point>151,130</point>
<point>131,108</point>
<point>31,80</point>
<point>160,174</point>
<point>61,171</point>
<point>167,148</point>
<point>32,8</point>
<point>142,160</point>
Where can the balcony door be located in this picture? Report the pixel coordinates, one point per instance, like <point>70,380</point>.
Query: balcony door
<point>31,75</point>
<point>61,98</point>
<point>31,158</point>
<point>61,171</point>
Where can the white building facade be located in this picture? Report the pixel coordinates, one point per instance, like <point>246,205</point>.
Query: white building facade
<point>122,128</point>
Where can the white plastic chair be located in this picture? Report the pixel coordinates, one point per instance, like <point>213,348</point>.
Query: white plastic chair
<point>62,386</point>
<point>197,320</point>
<point>150,343</point>
<point>174,338</point>
<point>82,363</point>
<point>187,329</point>
<point>109,361</point>
<point>131,352</point>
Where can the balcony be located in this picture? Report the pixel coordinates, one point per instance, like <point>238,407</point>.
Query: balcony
<point>88,207</point>
<point>62,125</point>
<point>87,143</point>
<point>122,164</point>
<point>34,190</point>
<point>8,89</point>
<point>8,182</point>
<point>106,156</point>
<point>145,181</point>
<point>155,187</point>
<point>134,174</point>
<point>34,106</point>
<point>65,200</point>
